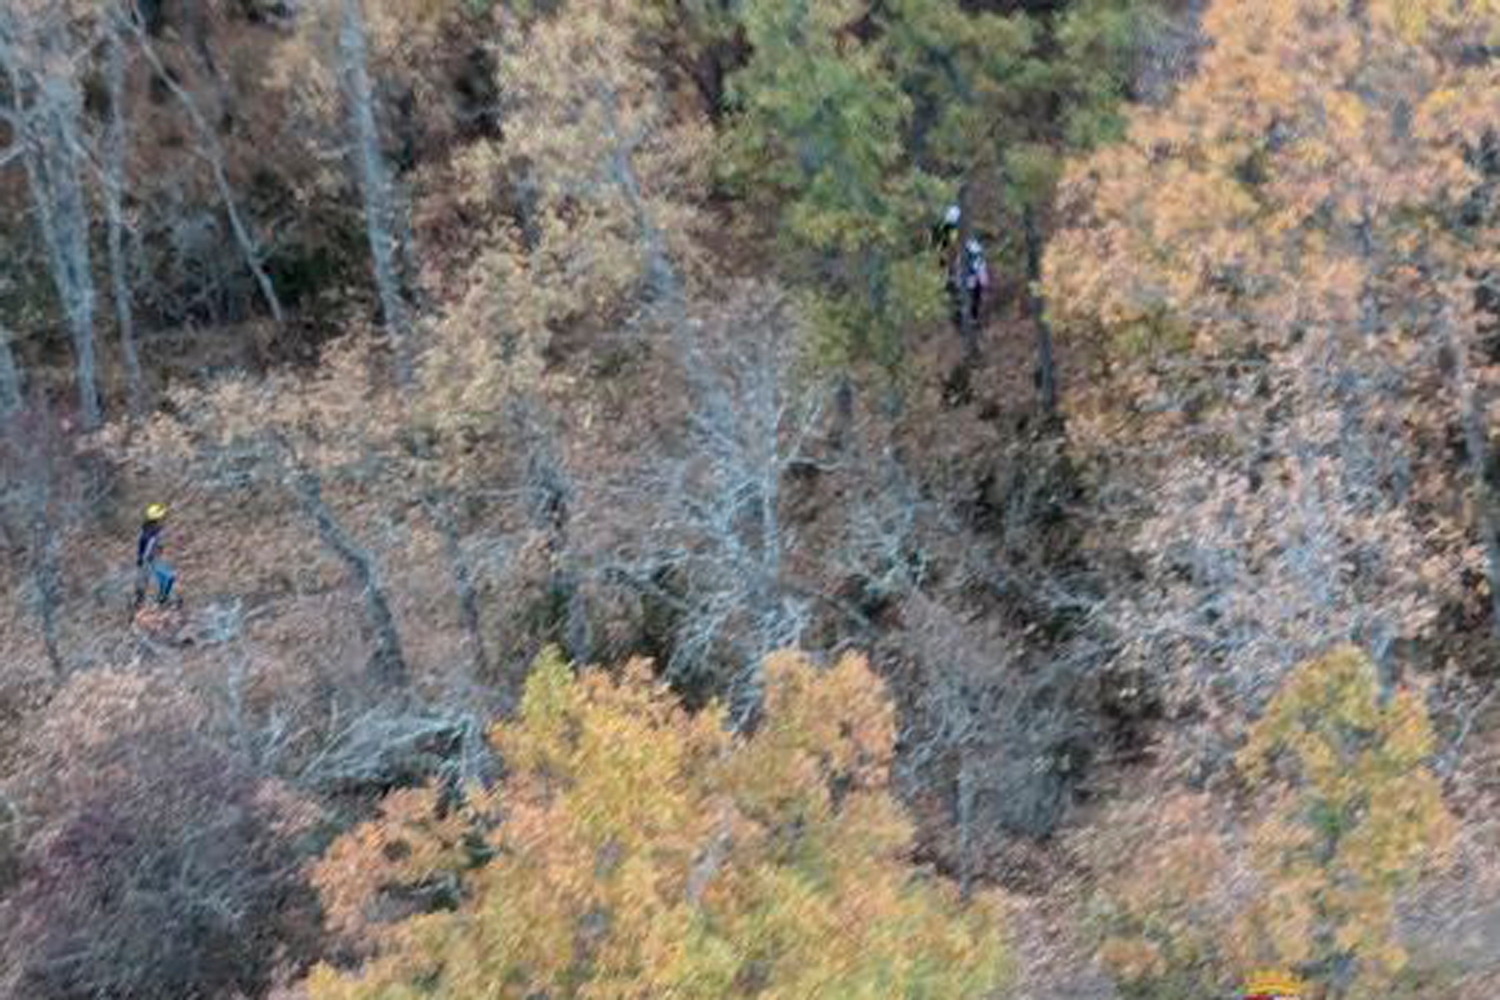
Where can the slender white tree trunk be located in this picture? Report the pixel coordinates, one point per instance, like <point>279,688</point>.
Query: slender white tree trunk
<point>46,575</point>
<point>73,267</point>
<point>10,378</point>
<point>47,109</point>
<point>116,148</point>
<point>382,212</point>
<point>438,503</point>
<point>964,806</point>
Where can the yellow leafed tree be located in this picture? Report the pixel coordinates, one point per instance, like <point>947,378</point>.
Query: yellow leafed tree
<point>1358,816</point>
<point>647,852</point>
<point>1347,815</point>
<point>607,168</point>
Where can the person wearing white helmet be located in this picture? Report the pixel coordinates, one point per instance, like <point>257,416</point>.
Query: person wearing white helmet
<point>945,234</point>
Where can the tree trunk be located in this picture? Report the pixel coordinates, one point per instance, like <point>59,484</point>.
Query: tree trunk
<point>1046,370</point>
<point>843,410</point>
<point>388,664</point>
<point>28,521</point>
<point>710,859</point>
<point>214,155</point>
<point>116,148</point>
<point>50,156</point>
<point>662,278</point>
<point>382,214</point>
<point>1476,443</point>
<point>577,635</point>
<point>71,222</point>
<point>438,510</point>
<point>10,378</point>
<point>46,576</point>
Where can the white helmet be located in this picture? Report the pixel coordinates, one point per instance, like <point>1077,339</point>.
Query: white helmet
<point>951,216</point>
<point>973,247</point>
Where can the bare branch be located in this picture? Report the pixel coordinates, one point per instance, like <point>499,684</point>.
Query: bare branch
<point>209,147</point>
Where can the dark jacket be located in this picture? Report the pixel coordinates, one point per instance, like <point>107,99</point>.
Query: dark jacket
<point>148,544</point>
<point>943,236</point>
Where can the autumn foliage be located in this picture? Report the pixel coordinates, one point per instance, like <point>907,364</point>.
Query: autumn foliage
<point>1346,813</point>
<point>140,819</point>
<point>1280,276</point>
<point>636,850</point>
<point>470,342</point>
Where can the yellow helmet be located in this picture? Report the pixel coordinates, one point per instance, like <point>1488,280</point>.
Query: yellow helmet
<point>156,511</point>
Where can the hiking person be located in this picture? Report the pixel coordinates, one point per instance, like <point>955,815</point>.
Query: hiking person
<point>149,565</point>
<point>976,278</point>
<point>944,234</point>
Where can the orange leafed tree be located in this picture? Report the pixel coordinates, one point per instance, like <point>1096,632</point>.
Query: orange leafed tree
<point>1283,268</point>
<point>637,850</point>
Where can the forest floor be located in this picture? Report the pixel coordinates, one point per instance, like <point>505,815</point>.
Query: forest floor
<point>1052,963</point>
<point>278,623</point>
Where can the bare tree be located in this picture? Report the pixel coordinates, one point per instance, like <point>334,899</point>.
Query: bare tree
<point>383,214</point>
<point>388,663</point>
<point>46,572</point>
<point>10,378</point>
<point>439,506</point>
<point>212,154</point>
<point>1471,414</point>
<point>46,109</point>
<point>1257,569</point>
<point>611,143</point>
<point>116,150</point>
<point>32,505</point>
<point>1046,366</point>
<point>662,278</point>
<point>547,491</point>
<point>713,545</point>
<point>280,431</point>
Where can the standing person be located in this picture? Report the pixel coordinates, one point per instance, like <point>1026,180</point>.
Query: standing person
<point>945,233</point>
<point>945,236</point>
<point>976,279</point>
<point>149,565</point>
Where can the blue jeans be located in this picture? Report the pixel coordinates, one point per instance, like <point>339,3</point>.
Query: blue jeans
<point>164,577</point>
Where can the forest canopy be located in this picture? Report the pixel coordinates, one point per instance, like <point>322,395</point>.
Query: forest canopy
<point>604,498</point>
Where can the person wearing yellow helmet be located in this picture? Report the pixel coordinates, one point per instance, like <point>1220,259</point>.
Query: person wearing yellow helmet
<point>148,562</point>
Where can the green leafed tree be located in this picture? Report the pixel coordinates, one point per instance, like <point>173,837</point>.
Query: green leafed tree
<point>647,852</point>
<point>855,123</point>
<point>818,141</point>
<point>1010,94</point>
